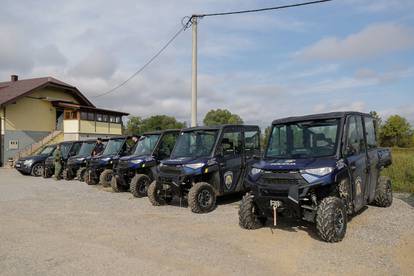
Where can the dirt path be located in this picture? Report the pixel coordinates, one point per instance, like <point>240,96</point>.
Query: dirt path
<point>69,228</point>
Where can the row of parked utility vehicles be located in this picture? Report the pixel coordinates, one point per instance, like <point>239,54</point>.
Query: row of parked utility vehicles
<point>320,168</point>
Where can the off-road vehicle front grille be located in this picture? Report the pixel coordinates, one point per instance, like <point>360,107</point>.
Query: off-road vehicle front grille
<point>171,169</point>
<point>123,164</point>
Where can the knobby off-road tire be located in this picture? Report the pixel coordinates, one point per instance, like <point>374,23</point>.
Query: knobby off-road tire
<point>248,219</point>
<point>118,185</point>
<point>156,195</point>
<point>383,192</point>
<point>89,179</point>
<point>37,170</point>
<point>67,174</point>
<point>105,178</point>
<point>80,174</point>
<point>202,198</point>
<point>139,185</point>
<point>331,219</point>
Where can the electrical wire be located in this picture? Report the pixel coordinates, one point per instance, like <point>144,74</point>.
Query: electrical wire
<point>185,25</point>
<point>186,22</point>
<point>260,10</point>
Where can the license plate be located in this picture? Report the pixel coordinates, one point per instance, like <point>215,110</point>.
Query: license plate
<point>275,203</point>
<point>165,187</point>
<point>17,165</point>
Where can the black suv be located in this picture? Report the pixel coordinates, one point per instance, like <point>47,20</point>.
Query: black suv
<point>137,170</point>
<point>206,162</point>
<point>99,169</point>
<point>319,168</point>
<point>34,164</point>
<point>68,149</point>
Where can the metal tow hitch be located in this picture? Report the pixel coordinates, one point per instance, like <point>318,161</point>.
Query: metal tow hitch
<point>275,204</point>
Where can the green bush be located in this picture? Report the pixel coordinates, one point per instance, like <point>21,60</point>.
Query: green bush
<point>402,169</point>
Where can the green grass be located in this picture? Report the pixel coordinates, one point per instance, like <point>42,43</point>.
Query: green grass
<point>402,170</point>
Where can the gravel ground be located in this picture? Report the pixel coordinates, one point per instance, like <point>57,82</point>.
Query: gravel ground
<point>70,228</point>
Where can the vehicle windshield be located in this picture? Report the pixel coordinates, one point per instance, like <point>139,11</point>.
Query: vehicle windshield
<point>113,146</point>
<point>306,139</point>
<point>146,144</point>
<point>64,149</point>
<point>195,143</point>
<point>86,148</point>
<point>47,150</point>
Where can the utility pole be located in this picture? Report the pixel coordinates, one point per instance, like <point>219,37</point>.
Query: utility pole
<point>194,74</point>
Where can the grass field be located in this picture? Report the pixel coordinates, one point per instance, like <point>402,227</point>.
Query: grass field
<point>402,170</point>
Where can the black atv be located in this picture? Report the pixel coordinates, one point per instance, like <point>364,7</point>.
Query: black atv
<point>319,168</point>
<point>136,171</point>
<point>76,165</point>
<point>68,149</point>
<point>206,162</point>
<point>99,169</point>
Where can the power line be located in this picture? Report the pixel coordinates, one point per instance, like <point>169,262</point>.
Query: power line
<point>186,23</point>
<point>260,10</point>
<point>183,28</point>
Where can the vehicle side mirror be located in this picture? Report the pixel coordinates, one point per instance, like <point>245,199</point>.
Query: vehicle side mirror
<point>349,150</point>
<point>255,157</point>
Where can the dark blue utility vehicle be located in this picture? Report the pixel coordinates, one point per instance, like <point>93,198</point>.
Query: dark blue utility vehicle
<point>99,169</point>
<point>206,162</point>
<point>34,164</point>
<point>137,171</point>
<point>68,149</point>
<point>320,168</point>
<point>76,165</point>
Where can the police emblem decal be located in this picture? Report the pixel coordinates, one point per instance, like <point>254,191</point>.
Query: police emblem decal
<point>228,179</point>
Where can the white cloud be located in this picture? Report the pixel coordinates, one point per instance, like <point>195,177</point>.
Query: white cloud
<point>98,64</point>
<point>372,41</point>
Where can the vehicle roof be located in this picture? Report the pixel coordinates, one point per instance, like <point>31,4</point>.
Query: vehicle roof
<point>216,127</point>
<point>121,137</point>
<point>70,142</point>
<point>161,131</point>
<point>329,115</point>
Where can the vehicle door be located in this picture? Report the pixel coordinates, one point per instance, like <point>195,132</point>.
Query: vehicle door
<point>252,152</point>
<point>230,159</point>
<point>356,158</point>
<point>373,159</point>
<point>166,145</point>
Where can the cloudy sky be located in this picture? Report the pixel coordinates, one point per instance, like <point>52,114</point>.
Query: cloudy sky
<point>341,55</point>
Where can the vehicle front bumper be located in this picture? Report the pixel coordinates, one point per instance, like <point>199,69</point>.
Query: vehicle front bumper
<point>21,167</point>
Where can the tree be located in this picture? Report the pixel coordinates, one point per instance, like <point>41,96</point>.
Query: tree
<point>221,116</point>
<point>137,125</point>
<point>396,131</point>
<point>265,136</point>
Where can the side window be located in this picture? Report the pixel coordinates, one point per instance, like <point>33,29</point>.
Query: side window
<point>167,144</point>
<point>252,141</point>
<point>231,143</point>
<point>370,130</point>
<point>75,149</point>
<point>356,143</point>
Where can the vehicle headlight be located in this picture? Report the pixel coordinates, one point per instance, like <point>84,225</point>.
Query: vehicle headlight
<point>106,159</point>
<point>319,171</point>
<point>28,162</point>
<point>195,166</point>
<point>80,159</point>
<point>255,171</point>
<point>136,161</point>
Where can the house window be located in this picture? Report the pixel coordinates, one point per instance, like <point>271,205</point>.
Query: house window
<point>84,115</point>
<point>91,116</point>
<point>71,115</point>
<point>99,117</point>
<point>118,119</point>
<point>112,119</point>
<point>105,118</point>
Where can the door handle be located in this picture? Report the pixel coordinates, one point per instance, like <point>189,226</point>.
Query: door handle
<point>353,167</point>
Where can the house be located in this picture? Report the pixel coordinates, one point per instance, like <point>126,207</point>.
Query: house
<point>38,111</point>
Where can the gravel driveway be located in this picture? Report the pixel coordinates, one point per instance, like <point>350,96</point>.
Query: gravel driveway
<point>70,228</point>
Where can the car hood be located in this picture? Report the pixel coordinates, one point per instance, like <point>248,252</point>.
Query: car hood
<point>186,160</point>
<point>295,164</point>
<point>135,157</point>
<point>34,157</point>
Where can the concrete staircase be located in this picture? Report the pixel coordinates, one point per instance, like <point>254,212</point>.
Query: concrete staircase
<point>55,136</point>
